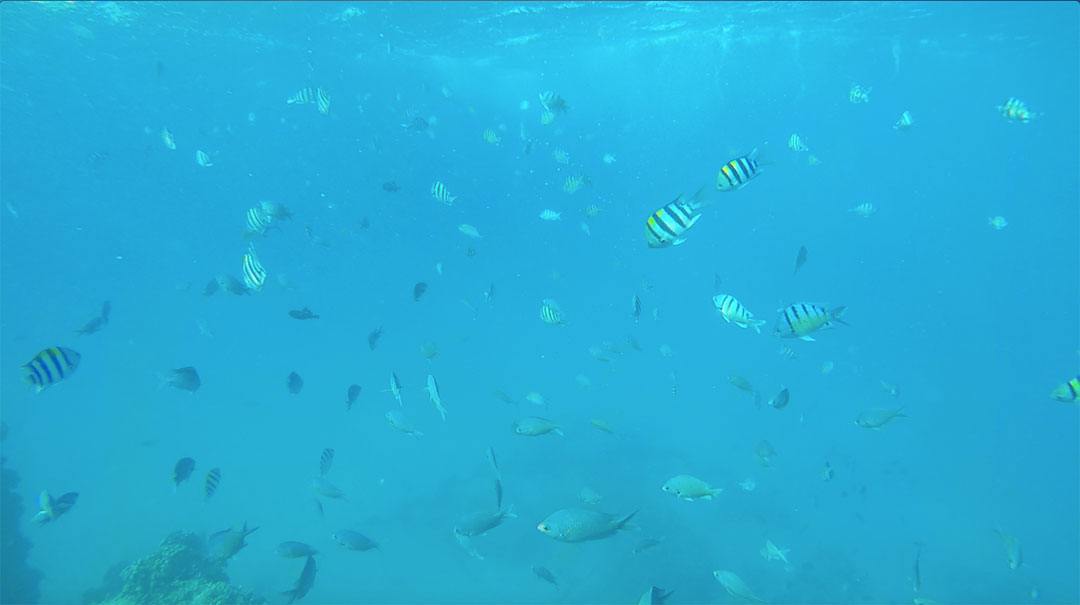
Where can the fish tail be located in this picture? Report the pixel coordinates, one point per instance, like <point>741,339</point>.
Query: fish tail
<point>834,315</point>
<point>622,521</point>
<point>757,323</point>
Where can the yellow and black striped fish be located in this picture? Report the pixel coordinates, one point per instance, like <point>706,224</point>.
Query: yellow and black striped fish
<point>326,460</point>
<point>795,143</point>
<point>212,479</point>
<point>800,319</point>
<point>254,273</point>
<point>736,173</point>
<point>1068,392</point>
<point>1015,110</point>
<point>442,194</point>
<point>257,221</point>
<point>322,98</point>
<point>669,224</point>
<point>904,122</point>
<point>551,313</point>
<point>49,367</point>
<point>302,96</point>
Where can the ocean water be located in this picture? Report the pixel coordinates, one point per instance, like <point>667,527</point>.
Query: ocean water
<point>973,325</point>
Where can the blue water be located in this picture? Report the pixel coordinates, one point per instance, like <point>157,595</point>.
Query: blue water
<point>975,326</point>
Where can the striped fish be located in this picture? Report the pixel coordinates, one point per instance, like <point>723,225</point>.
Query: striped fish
<point>858,94</point>
<point>1015,110</point>
<point>669,224</point>
<point>302,96</point>
<point>326,460</point>
<point>795,143</point>
<point>734,312</point>
<point>736,173</point>
<point>254,273</point>
<point>552,101</point>
<point>551,313</point>
<point>202,159</point>
<point>442,194</point>
<point>800,319</point>
<point>904,122</point>
<point>257,221</point>
<point>167,138</point>
<point>1068,392</point>
<point>49,367</point>
<point>322,98</point>
<point>211,483</point>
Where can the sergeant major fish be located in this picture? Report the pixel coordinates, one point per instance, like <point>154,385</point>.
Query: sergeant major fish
<point>801,319</point>
<point>734,312</point>
<point>738,172</point>
<point>49,367</point>
<point>667,226</point>
<point>1068,392</point>
<point>210,484</point>
<point>326,460</point>
<point>442,194</point>
<point>580,525</point>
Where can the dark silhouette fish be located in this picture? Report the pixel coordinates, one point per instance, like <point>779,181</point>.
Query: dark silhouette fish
<point>186,379</point>
<point>304,313</point>
<point>498,494</point>
<point>350,398</point>
<point>800,260</point>
<point>211,287</point>
<point>182,470</point>
<point>227,542</point>
<point>52,508</point>
<point>373,337</point>
<point>304,584</point>
<point>326,460</point>
<point>391,187</point>
<point>544,574</point>
<point>294,383</point>
<point>92,326</point>
<point>418,291</point>
<point>106,311</point>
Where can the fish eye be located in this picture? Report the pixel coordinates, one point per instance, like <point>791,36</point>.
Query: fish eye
<point>543,527</point>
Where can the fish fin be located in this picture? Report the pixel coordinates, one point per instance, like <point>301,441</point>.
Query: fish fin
<point>834,315</point>
<point>678,241</point>
<point>559,432</point>
<point>622,521</point>
<point>807,338</point>
<point>701,198</point>
<point>715,491</point>
<point>757,323</point>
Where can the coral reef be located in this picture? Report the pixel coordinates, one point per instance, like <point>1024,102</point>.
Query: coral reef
<point>178,572</point>
<point>18,581</point>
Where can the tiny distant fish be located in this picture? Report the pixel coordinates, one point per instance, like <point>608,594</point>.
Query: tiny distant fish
<point>489,294</point>
<point>202,159</point>
<point>185,379</point>
<point>326,460</point>
<point>326,489</point>
<point>303,96</point>
<point>49,367</point>
<point>442,194</point>
<point>490,136</point>
<point>398,421</point>
<point>801,319</point>
<point>433,393</point>
<point>574,183</point>
<point>865,209</point>
<point>351,540</point>
<point>322,99</point>
<point>391,187</point>
<point>257,221</point>
<point>738,172</point>
<point>551,313</point>
<point>635,306</point>
<point>544,574</point>
<point>294,550</point>
<point>373,336</point>
<point>857,94</point>
<point>997,222</point>
<point>319,508</point>
<point>210,485</point>
<point>535,426</point>
<point>904,122</point>
<point>395,388</point>
<point>609,158</point>
<point>741,383</point>
<point>418,291</point>
<point>210,287</point>
<point>667,226</point>
<point>304,313</point>
<point>591,210</point>
<point>294,383</point>
<point>795,143</point>
<point>350,398</point>
<point>92,326</point>
<point>876,418</point>
<point>1015,110</point>
<point>168,139</point>
<point>231,285</point>
<point>646,544</point>
<point>551,101</point>
<point>275,210</point>
<point>781,400</point>
<point>548,214</point>
<point>1068,392</point>
<point>734,312</point>
<point>787,352</point>
<point>254,272</point>
<point>469,230</point>
<point>800,259</point>
<point>182,470</point>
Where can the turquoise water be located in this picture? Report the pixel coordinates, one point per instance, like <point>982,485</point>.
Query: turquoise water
<point>973,325</point>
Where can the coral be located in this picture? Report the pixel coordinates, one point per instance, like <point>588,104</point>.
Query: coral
<point>18,581</point>
<point>178,572</point>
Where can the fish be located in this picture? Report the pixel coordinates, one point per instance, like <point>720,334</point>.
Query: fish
<point>801,319</point>
<point>741,383</point>
<point>211,287</point>
<point>319,508</point>
<point>800,259</point>
<point>857,94</point>
<point>667,225</point>
<point>997,222</point>
<point>827,472</point>
<point>324,488</point>
<point>733,312</point>
<point>490,136</point>
<point>210,484</point>
<point>748,484</point>
<point>690,488</point>
<point>304,313</point>
<point>654,596</point>
<point>49,367</point>
<point>398,422</point>
<point>185,379</point>
<point>433,394</point>
<point>609,158</point>
<point>534,426</point>
<point>544,574</point>
<point>735,586</point>
<point>442,194</point>
<point>666,351</point>
<point>646,544</point>
<point>551,101</point>
<point>498,493</point>
<point>232,285</point>
<point>1068,392</point>
<point>772,553</point>
<point>98,322</point>
<point>865,210</point>
<point>916,574</point>
<point>295,550</point>
<point>787,352</point>
<point>581,525</point>
<point>168,139</point>
<point>765,452</point>
<point>1013,556</point>
<point>391,187</point>
<point>738,172</point>
<point>353,540</point>
<point>891,389</point>
<point>535,398</point>
<point>796,144</point>
<point>589,496</point>
<point>781,400</point>
<point>469,230</point>
<point>304,96</point>
<point>304,583</point>
<point>275,210</point>
<point>418,291</point>
<point>490,454</point>
<point>478,524</point>
<point>351,395</point>
<point>905,121</point>
<point>326,460</point>
<point>429,350</point>
<point>573,183</point>
<point>52,508</point>
<point>591,210</point>
<point>253,271</point>
<point>876,418</point>
<point>551,313</point>
<point>294,383</point>
<point>1015,110</point>
<point>395,388</point>
<point>322,101</point>
<point>635,308</point>
<point>182,470</point>
<point>257,221</point>
<point>202,159</point>
<point>601,425</point>
<point>548,214</point>
<point>373,337</point>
